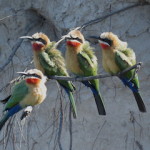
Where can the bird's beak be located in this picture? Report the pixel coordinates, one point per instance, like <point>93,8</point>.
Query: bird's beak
<point>22,73</point>
<point>27,37</point>
<point>29,75</point>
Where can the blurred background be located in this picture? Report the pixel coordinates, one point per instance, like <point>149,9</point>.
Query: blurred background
<point>50,126</point>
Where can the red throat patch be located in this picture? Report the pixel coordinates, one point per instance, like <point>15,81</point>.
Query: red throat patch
<point>73,43</point>
<point>32,80</point>
<point>37,46</point>
<point>104,46</point>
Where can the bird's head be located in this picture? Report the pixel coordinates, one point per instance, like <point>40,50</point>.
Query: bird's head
<point>108,40</point>
<point>74,39</point>
<point>38,40</point>
<point>33,76</point>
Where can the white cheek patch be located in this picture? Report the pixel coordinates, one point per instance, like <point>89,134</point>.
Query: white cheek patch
<point>32,77</point>
<point>74,41</point>
<point>102,42</point>
<point>37,42</point>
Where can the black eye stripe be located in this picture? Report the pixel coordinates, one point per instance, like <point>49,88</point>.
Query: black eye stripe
<point>72,38</point>
<point>41,40</point>
<point>106,40</point>
<point>35,75</point>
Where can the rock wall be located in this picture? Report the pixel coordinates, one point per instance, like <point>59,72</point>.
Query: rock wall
<point>124,127</point>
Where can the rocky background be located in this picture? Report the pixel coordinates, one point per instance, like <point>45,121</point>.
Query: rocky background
<point>50,126</point>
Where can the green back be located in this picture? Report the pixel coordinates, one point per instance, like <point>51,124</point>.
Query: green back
<point>53,64</point>
<point>125,59</point>
<point>19,92</point>
<point>88,63</point>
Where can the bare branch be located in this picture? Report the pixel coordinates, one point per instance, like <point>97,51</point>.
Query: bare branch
<point>140,3</point>
<point>94,77</point>
<point>113,13</point>
<point>7,17</point>
<point>15,80</point>
<point>15,48</point>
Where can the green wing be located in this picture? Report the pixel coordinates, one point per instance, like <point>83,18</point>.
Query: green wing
<point>19,92</point>
<point>46,63</point>
<point>87,60</point>
<point>125,59</point>
<point>52,61</point>
<point>88,64</point>
<point>53,64</point>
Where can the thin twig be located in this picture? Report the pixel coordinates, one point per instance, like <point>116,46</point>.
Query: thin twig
<point>98,134</point>
<point>15,80</point>
<point>113,13</point>
<point>94,77</point>
<point>15,48</point>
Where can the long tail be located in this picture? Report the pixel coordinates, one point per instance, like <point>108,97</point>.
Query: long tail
<point>71,98</point>
<point>99,102</point>
<point>3,120</point>
<point>8,114</point>
<point>98,99</point>
<point>136,94</point>
<point>139,101</point>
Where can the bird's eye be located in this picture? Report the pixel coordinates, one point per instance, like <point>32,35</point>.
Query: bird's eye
<point>35,75</point>
<point>41,40</point>
<point>76,38</point>
<point>107,41</point>
<point>79,40</point>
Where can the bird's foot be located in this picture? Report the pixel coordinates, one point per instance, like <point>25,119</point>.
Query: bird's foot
<point>26,112</point>
<point>135,71</point>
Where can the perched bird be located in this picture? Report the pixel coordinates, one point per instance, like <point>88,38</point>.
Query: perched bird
<point>116,56</point>
<point>50,61</point>
<point>28,92</point>
<point>81,61</point>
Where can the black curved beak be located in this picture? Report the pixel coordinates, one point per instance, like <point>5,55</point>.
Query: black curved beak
<point>29,75</point>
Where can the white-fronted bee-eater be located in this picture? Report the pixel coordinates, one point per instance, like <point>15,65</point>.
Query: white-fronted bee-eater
<point>30,91</point>
<point>50,61</point>
<point>116,57</point>
<point>81,61</point>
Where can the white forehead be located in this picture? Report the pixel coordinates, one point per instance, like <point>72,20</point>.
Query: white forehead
<point>104,35</point>
<point>31,71</point>
<point>37,35</point>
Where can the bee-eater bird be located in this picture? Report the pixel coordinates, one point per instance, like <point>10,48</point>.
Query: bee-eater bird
<point>81,61</point>
<point>28,92</point>
<point>50,61</point>
<point>116,56</point>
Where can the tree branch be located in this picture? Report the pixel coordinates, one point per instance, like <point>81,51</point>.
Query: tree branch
<point>94,77</point>
<point>113,13</point>
<point>15,48</point>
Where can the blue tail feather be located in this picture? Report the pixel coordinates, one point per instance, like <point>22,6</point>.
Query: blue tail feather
<point>86,83</point>
<point>98,98</point>
<point>8,114</point>
<point>130,84</point>
<point>14,110</point>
